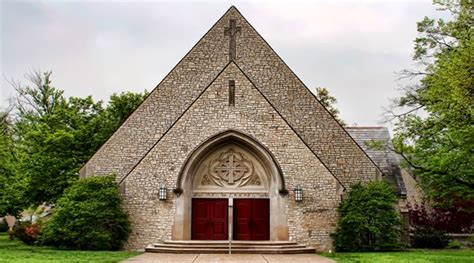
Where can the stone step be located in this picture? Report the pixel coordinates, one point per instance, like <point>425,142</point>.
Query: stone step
<point>225,250</point>
<point>226,246</point>
<point>222,246</point>
<point>226,242</point>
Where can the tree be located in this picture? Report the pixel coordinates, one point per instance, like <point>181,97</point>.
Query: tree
<point>6,163</point>
<point>123,104</point>
<point>88,217</point>
<point>329,102</point>
<point>11,184</point>
<point>434,132</point>
<point>120,106</point>
<point>368,220</point>
<point>57,135</point>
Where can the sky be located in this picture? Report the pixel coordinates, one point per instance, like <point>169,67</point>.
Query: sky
<point>353,48</point>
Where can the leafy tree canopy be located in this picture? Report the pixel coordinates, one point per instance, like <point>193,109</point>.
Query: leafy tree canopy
<point>435,131</point>
<point>55,137</point>
<point>51,138</point>
<point>12,186</point>
<point>329,102</point>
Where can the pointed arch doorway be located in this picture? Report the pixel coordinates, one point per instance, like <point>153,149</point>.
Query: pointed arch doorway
<point>232,179</point>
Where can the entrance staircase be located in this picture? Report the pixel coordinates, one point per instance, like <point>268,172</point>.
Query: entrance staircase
<point>240,247</point>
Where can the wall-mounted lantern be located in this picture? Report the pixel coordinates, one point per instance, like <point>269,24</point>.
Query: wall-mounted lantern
<point>162,192</point>
<point>298,193</point>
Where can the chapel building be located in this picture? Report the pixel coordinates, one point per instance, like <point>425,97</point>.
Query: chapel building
<point>232,145</point>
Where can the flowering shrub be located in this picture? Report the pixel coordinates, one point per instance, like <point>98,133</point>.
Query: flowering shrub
<point>27,232</point>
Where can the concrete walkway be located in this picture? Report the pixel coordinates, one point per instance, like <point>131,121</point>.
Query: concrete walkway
<point>214,258</point>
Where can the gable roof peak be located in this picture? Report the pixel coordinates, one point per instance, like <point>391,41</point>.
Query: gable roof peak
<point>233,39</point>
<point>232,8</point>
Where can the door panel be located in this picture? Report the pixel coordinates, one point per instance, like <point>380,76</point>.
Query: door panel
<point>209,219</point>
<point>219,220</point>
<point>200,219</point>
<point>260,219</point>
<point>251,219</point>
<point>242,218</point>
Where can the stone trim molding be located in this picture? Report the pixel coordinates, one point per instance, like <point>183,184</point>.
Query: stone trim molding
<point>172,125</point>
<point>269,102</point>
<point>291,127</point>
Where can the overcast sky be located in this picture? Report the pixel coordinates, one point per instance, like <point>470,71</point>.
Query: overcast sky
<point>353,48</point>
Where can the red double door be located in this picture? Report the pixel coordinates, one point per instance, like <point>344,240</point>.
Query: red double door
<point>210,219</point>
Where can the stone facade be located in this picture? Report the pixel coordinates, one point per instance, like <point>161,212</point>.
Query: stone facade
<point>251,115</point>
<point>232,84</point>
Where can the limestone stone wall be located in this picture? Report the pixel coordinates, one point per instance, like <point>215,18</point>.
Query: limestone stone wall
<point>298,106</point>
<point>310,221</point>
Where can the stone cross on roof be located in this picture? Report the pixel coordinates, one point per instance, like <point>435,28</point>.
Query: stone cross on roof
<point>232,32</point>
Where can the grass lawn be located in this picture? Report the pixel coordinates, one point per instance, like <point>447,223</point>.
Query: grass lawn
<point>418,256</point>
<point>16,251</point>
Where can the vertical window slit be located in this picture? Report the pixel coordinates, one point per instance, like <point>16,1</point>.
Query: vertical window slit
<point>231,92</point>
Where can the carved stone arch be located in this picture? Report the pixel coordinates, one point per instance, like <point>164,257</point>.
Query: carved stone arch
<point>225,137</point>
<point>230,165</point>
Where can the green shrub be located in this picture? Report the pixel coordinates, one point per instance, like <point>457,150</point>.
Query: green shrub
<point>470,241</point>
<point>3,225</point>
<point>88,217</point>
<point>429,237</point>
<point>368,220</point>
<point>454,244</point>
<point>26,232</point>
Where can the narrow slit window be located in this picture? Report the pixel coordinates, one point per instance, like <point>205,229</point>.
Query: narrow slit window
<point>231,92</point>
